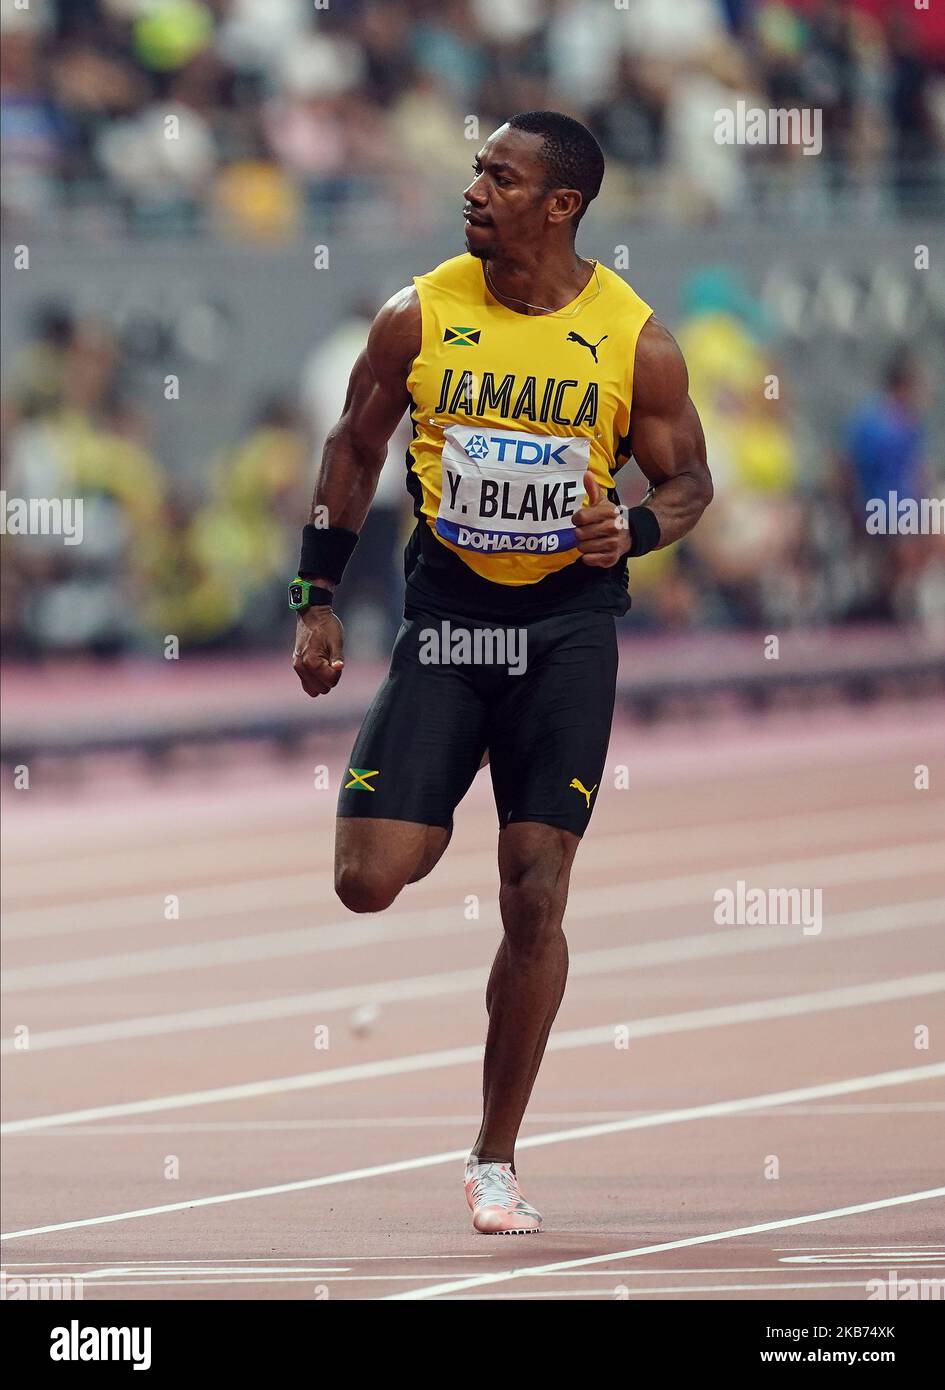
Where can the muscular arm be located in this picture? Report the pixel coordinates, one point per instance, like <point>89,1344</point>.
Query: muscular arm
<point>667,442</point>
<point>353,457</point>
<point>666,437</point>
<point>377,397</point>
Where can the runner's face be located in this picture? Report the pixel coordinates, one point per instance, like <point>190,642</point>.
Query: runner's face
<point>505,206</point>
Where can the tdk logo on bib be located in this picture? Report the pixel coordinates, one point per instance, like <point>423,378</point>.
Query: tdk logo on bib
<point>507,491</point>
<point>518,449</point>
<point>477,448</point>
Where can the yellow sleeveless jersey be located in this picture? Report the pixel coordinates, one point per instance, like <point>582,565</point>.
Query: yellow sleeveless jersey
<point>509,412</point>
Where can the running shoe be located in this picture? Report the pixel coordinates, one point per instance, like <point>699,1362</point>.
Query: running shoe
<point>498,1208</point>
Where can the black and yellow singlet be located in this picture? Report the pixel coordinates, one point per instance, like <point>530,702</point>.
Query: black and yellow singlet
<point>509,411</point>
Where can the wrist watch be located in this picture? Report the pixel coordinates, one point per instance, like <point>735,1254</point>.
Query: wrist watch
<point>304,594</point>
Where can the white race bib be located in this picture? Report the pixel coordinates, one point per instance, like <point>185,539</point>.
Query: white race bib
<point>507,491</point>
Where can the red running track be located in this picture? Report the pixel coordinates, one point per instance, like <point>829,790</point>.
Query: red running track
<point>268,1097</point>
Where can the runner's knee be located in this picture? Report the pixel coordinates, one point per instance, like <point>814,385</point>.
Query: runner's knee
<point>534,869</point>
<point>365,887</point>
<point>532,905</point>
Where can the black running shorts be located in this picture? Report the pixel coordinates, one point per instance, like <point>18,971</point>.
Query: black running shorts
<point>539,697</point>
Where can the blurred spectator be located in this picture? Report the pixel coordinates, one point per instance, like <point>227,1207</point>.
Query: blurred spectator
<point>749,536</point>
<point>885,462</point>
<point>35,132</point>
<point>389,65</point>
<point>915,134</point>
<point>160,160</point>
<point>886,438</point>
<point>255,201</point>
<point>222,565</point>
<point>36,384</point>
<point>85,597</point>
<point>447,44</point>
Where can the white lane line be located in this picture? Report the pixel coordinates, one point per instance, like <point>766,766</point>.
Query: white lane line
<point>347,934</point>
<point>697,1112</point>
<point>131,1277</point>
<point>374,1122</point>
<point>209,900</point>
<point>692,1020</point>
<point>74,1269</point>
<point>657,1291</point>
<point>179,1262</point>
<point>570,1294</point>
<point>866,866</point>
<point>258,1279</point>
<point>370,1123</point>
<point>874,921</point>
<point>911,1259</point>
<point>541,1293</point>
<point>172,1268</point>
<point>525,1271</point>
<point>916,1107</point>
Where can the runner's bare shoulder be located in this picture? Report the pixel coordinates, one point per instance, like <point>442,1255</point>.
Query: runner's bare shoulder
<point>396,334</point>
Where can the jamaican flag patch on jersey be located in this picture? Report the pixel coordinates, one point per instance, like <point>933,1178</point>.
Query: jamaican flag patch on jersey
<point>462,337</point>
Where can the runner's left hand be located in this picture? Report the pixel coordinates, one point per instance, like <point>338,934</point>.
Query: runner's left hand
<point>601,529</point>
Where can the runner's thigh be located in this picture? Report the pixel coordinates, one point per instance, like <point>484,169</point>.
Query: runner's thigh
<point>422,739</point>
<point>549,731</point>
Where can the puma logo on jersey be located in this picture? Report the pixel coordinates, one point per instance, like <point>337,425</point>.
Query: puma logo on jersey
<point>591,347</point>
<point>579,786</point>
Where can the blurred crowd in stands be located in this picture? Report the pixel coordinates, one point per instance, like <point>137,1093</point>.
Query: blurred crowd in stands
<point>786,541</point>
<point>255,118</point>
<point>204,553</point>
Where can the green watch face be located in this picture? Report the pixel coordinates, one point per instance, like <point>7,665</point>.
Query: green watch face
<point>298,593</point>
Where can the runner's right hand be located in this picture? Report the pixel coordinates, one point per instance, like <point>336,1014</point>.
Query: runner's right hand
<point>317,658</point>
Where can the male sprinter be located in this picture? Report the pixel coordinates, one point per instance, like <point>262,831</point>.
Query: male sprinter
<point>531,376</point>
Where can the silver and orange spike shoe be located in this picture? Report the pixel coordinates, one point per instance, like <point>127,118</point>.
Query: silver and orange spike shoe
<point>498,1208</point>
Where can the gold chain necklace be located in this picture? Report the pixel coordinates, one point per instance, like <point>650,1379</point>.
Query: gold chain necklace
<point>542,308</point>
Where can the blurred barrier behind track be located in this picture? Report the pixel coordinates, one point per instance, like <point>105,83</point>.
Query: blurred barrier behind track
<point>205,203</point>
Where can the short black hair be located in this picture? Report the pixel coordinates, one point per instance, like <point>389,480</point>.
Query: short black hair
<point>569,152</point>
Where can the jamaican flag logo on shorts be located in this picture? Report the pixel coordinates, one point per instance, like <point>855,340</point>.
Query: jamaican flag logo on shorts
<point>359,782</point>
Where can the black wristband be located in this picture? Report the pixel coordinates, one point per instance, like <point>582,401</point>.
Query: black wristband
<point>326,551</point>
<point>644,530</point>
<point>319,598</point>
